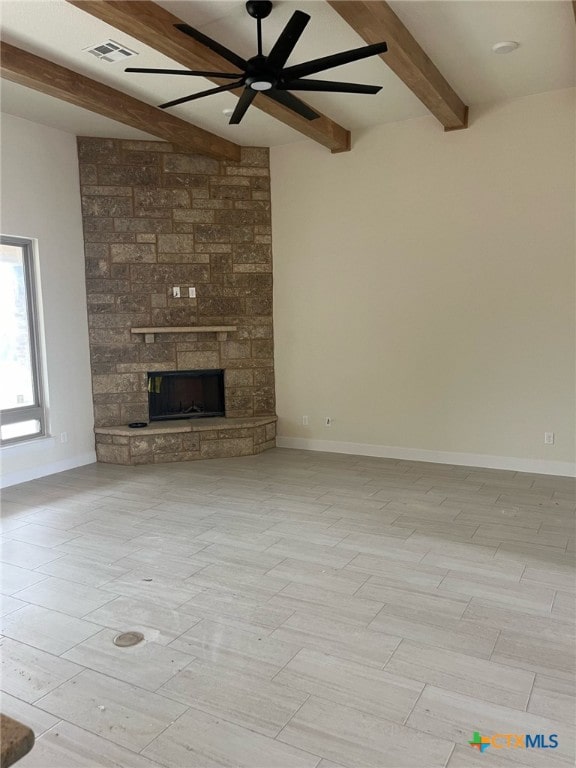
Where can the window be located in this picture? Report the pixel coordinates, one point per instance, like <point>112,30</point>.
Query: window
<point>21,396</point>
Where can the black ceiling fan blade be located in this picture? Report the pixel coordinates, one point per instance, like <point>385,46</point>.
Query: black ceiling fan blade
<point>209,92</point>
<point>336,60</point>
<point>193,73</point>
<point>293,103</point>
<point>221,50</point>
<point>289,36</point>
<point>328,86</point>
<point>243,103</point>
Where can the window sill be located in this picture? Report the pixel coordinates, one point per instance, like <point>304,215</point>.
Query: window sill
<point>37,443</point>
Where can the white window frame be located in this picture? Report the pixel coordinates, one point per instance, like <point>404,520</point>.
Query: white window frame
<point>36,411</point>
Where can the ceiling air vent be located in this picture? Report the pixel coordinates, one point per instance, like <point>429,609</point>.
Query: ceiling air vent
<point>111,51</point>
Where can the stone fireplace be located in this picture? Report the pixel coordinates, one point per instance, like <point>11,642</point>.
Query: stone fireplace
<point>156,219</point>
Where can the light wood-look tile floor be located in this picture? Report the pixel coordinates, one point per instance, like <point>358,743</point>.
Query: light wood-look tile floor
<point>300,610</point>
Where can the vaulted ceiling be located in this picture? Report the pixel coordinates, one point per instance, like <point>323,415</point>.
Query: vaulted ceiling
<point>440,61</point>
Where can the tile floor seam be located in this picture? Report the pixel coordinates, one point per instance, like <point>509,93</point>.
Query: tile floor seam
<point>168,680</point>
<point>188,708</point>
<point>387,720</point>
<point>100,629</point>
<point>382,666</point>
<point>114,596</point>
<point>361,585</point>
<point>301,648</point>
<point>450,755</point>
<point>413,707</point>
<point>308,696</point>
<point>66,615</point>
<point>468,696</point>
<point>117,679</point>
<point>529,699</point>
<point>37,702</point>
<point>243,727</point>
<point>353,706</point>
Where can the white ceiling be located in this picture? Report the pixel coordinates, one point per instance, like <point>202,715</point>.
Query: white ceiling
<point>456,34</point>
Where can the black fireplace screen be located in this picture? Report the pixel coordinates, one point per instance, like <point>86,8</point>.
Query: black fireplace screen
<point>185,394</point>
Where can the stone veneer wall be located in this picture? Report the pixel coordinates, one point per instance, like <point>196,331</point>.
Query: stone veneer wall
<point>157,217</point>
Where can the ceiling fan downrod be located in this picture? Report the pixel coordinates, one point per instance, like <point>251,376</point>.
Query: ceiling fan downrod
<point>259,9</point>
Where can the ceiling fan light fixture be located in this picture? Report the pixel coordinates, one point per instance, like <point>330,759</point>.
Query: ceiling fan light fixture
<point>261,85</point>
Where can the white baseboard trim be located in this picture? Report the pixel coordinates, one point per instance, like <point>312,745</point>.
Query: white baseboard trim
<point>485,461</point>
<point>42,470</point>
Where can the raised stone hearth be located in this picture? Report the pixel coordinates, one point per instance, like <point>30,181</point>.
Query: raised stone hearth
<point>185,440</point>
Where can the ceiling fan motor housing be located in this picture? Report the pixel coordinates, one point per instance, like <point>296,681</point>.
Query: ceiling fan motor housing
<point>259,9</point>
<point>260,76</point>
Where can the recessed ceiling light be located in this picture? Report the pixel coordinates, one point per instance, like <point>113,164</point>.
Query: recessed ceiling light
<point>227,112</point>
<point>507,46</point>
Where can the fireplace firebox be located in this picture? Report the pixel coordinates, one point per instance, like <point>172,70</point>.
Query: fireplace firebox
<point>185,394</point>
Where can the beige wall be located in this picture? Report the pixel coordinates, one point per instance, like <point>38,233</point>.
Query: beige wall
<point>41,199</point>
<point>424,288</point>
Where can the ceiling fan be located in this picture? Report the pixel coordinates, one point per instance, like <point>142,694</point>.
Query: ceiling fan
<point>267,74</point>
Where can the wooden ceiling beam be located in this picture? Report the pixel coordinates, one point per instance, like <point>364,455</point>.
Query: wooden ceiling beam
<point>154,26</point>
<point>42,75</point>
<point>375,21</point>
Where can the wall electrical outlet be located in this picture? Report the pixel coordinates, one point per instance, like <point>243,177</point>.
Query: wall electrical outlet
<point>548,438</point>
<point>305,421</point>
<point>328,421</point>
<point>176,292</point>
<point>191,293</point>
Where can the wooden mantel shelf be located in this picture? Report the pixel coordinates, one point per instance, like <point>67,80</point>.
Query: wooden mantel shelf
<point>149,333</point>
